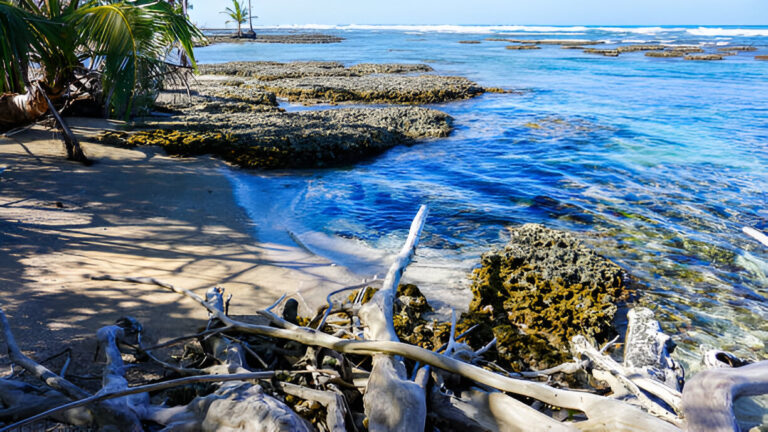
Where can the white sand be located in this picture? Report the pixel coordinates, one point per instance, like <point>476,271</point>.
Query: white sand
<point>135,212</point>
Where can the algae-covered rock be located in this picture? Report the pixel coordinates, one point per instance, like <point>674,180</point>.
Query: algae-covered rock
<point>687,48</point>
<point>269,71</point>
<point>738,48</point>
<point>332,82</point>
<point>603,52</point>
<point>270,140</point>
<point>639,47</point>
<point>523,47</point>
<point>397,89</point>
<point>673,53</point>
<point>704,57</point>
<point>538,292</point>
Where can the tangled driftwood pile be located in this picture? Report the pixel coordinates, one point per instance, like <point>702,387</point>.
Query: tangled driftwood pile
<point>266,372</point>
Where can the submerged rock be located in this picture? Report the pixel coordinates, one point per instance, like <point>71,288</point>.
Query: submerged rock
<point>471,42</point>
<point>544,288</point>
<point>761,57</point>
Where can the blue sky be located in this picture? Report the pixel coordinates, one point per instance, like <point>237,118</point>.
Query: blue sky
<point>206,13</point>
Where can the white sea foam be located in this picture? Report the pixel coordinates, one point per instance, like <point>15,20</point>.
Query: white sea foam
<point>711,31</point>
<point>529,30</point>
<point>638,30</point>
<point>634,40</point>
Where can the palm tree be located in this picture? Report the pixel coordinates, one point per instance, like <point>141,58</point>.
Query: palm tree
<point>237,15</point>
<point>123,45</point>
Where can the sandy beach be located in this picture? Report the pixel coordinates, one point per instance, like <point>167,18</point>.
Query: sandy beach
<point>134,212</point>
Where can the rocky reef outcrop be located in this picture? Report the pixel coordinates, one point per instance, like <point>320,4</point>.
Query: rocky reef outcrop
<point>331,82</point>
<point>538,292</point>
<point>270,140</point>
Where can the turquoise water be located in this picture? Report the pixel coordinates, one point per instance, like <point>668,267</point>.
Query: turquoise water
<point>657,163</point>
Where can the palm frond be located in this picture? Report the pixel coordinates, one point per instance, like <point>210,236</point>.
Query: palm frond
<point>132,40</point>
<point>23,37</point>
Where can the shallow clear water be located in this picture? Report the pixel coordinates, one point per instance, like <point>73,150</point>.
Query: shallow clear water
<point>657,163</point>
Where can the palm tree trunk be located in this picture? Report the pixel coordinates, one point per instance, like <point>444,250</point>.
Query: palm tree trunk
<point>250,17</point>
<point>74,151</point>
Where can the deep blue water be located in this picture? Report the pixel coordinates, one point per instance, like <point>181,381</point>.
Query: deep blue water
<point>657,163</point>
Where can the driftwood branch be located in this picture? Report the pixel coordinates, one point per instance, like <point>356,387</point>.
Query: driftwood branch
<point>708,397</point>
<point>757,235</point>
<point>138,390</point>
<point>612,414</point>
<point>392,401</point>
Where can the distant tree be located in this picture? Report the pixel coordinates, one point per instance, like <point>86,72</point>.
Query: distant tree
<point>238,15</point>
<point>250,17</point>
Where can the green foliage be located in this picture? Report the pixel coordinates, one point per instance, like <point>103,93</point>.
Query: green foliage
<point>237,14</point>
<point>21,35</point>
<point>127,42</point>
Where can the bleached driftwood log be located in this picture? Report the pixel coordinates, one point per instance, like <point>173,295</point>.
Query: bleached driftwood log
<point>104,414</point>
<point>648,350</point>
<point>392,401</point>
<point>757,235</point>
<point>24,400</point>
<point>235,405</point>
<point>649,375</point>
<point>491,411</point>
<point>619,378</point>
<point>708,397</point>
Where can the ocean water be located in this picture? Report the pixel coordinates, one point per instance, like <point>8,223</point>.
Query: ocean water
<point>656,163</point>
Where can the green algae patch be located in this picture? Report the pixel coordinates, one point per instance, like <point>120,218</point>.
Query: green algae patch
<point>544,288</point>
<point>193,143</point>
